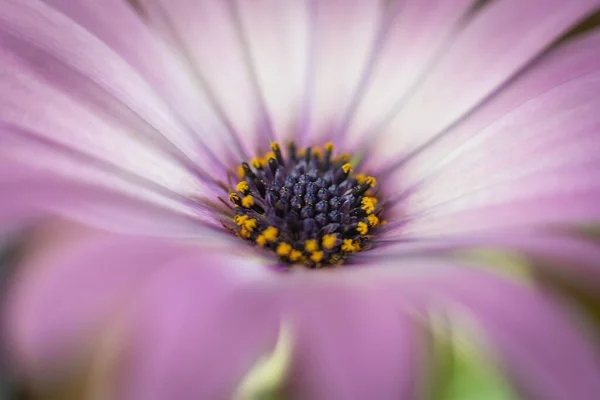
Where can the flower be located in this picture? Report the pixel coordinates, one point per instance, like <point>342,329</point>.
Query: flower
<point>467,126</point>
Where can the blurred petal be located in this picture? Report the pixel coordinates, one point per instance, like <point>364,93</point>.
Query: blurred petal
<point>61,302</point>
<point>544,352</point>
<point>195,332</point>
<point>352,344</point>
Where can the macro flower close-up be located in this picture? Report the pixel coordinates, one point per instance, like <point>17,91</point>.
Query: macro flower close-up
<point>300,199</point>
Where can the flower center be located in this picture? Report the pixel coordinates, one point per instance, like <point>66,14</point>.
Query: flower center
<point>307,207</point>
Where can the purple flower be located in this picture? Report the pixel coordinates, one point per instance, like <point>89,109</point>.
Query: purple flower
<point>317,185</point>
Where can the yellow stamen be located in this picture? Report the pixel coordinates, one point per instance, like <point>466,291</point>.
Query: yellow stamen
<point>317,256</point>
<point>329,241</point>
<point>311,245</point>
<point>349,246</point>
<point>240,171</point>
<point>362,228</point>
<point>343,157</point>
<point>245,233</point>
<point>347,168</point>
<point>368,204</point>
<point>371,181</point>
<point>270,234</point>
<point>261,240</point>
<point>373,220</point>
<point>283,249</point>
<point>248,201</point>
<point>250,224</point>
<point>328,146</point>
<point>242,187</point>
<point>240,219</point>
<point>295,255</point>
<point>234,198</point>
<point>360,178</point>
<point>274,146</point>
<point>256,162</point>
<point>317,151</point>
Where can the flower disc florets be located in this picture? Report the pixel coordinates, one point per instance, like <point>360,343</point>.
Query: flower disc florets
<point>309,207</point>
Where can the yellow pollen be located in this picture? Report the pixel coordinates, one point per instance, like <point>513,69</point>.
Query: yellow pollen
<point>311,245</point>
<point>347,168</point>
<point>317,256</point>
<point>328,147</point>
<point>240,219</point>
<point>360,178</point>
<point>373,220</point>
<point>261,240</point>
<point>234,198</point>
<point>349,246</point>
<point>275,146</point>
<point>344,157</point>
<point>362,228</point>
<point>295,255</point>
<point>368,204</point>
<point>317,151</point>
<point>245,233</point>
<point>240,171</point>
<point>267,157</point>
<point>250,224</point>
<point>371,181</point>
<point>283,249</point>
<point>248,201</point>
<point>270,234</point>
<point>256,162</point>
<point>329,241</point>
<point>242,187</point>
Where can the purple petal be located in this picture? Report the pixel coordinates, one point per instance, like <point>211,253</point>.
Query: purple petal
<point>102,201</point>
<point>351,344</point>
<point>568,61</point>
<point>68,87</point>
<point>535,166</point>
<point>218,60</point>
<point>501,39</point>
<point>419,30</point>
<point>194,332</point>
<point>117,24</point>
<point>61,301</point>
<point>544,351</point>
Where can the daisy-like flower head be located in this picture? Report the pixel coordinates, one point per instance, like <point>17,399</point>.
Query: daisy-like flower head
<point>309,198</point>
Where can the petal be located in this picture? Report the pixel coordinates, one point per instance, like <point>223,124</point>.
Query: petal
<point>351,344</point>
<point>62,297</point>
<point>418,32</point>
<point>195,331</point>
<point>568,61</point>
<point>59,81</point>
<point>344,36</point>
<point>118,25</point>
<point>572,258</point>
<point>543,350</point>
<point>219,61</point>
<point>499,41</point>
<point>536,166</point>
<point>101,200</point>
